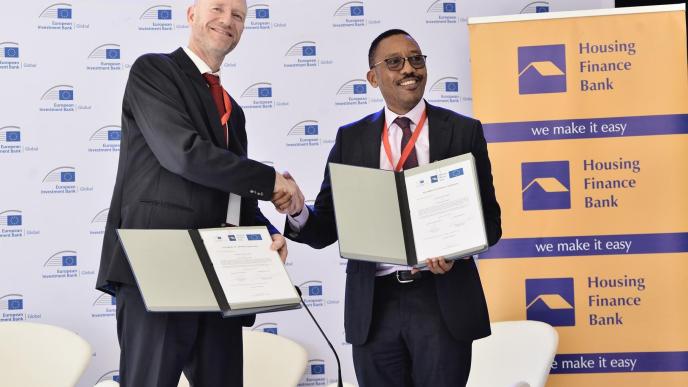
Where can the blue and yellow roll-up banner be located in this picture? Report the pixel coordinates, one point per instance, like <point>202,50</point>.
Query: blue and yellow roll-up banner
<point>586,116</point>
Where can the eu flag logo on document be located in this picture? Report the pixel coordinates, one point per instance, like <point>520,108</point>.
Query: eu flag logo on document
<point>542,69</point>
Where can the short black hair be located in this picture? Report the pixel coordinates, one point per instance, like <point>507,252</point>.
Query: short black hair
<point>376,42</point>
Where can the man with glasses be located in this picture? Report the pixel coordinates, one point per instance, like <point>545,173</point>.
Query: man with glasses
<point>408,327</point>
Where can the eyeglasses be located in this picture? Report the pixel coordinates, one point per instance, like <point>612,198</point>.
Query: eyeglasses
<point>396,63</point>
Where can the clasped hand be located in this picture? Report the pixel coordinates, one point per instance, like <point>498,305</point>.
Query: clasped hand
<point>287,196</point>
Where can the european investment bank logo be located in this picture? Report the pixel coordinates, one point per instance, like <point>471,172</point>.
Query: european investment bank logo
<point>536,7</point>
<point>257,96</point>
<point>12,302</point>
<point>156,18</point>
<point>97,225</point>
<point>551,300</point>
<point>353,92</point>
<point>546,185</point>
<point>316,367</point>
<point>57,11</point>
<point>350,9</point>
<point>105,57</point>
<point>58,98</point>
<point>110,375</point>
<point>312,288</point>
<point>10,140</point>
<point>542,69</point>
<point>302,54</point>
<point>9,50</point>
<point>441,12</point>
<point>268,327</point>
<point>60,180</point>
<point>304,134</point>
<point>105,139</point>
<point>104,306</point>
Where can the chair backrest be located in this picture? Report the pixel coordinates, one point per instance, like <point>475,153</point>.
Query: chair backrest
<point>270,360</point>
<point>518,353</point>
<point>39,355</point>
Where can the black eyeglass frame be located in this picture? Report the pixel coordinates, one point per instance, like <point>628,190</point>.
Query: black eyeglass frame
<point>403,62</point>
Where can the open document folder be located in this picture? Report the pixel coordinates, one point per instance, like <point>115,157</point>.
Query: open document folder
<point>229,270</point>
<point>407,217</point>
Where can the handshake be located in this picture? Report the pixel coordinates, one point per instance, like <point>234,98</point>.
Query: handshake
<point>287,197</point>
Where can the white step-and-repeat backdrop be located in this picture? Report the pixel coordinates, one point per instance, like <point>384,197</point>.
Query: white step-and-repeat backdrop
<point>299,73</point>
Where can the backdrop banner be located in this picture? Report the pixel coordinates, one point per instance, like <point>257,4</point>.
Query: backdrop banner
<point>586,116</point>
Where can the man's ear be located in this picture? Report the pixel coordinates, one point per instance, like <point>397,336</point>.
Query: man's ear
<point>372,78</point>
<point>190,13</point>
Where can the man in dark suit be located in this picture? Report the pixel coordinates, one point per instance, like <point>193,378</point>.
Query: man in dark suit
<point>182,165</point>
<point>407,327</point>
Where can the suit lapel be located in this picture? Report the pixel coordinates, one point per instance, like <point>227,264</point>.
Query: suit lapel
<point>201,88</point>
<point>371,140</point>
<point>440,133</point>
<point>234,124</point>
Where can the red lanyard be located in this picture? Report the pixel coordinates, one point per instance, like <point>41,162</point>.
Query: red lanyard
<point>409,147</point>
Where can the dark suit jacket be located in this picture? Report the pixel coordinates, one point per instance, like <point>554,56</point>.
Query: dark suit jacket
<point>459,292</point>
<point>174,171</point>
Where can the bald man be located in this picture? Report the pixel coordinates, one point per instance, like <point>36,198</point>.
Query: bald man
<point>183,165</point>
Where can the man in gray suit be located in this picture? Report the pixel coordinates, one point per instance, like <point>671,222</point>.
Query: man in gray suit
<point>183,165</point>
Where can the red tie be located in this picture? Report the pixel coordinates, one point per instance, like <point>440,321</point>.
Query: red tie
<point>217,93</point>
<point>405,124</point>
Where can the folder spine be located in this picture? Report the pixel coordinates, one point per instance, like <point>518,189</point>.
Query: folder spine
<point>209,270</point>
<point>407,229</point>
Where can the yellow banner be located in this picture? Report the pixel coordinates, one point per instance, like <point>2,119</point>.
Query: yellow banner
<point>586,116</point>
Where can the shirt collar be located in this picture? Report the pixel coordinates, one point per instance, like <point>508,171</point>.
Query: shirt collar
<point>200,64</point>
<point>413,114</point>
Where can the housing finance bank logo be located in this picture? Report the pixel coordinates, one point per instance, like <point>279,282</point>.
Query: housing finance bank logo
<point>535,7</point>
<point>156,18</point>
<point>110,375</point>
<point>58,17</point>
<point>61,180</point>
<point>58,98</point>
<point>267,328</point>
<point>97,224</point>
<point>9,56</point>
<point>10,140</point>
<point>542,69</point>
<point>105,57</point>
<point>104,306</point>
<point>353,92</point>
<point>106,139</point>
<point>441,12</point>
<point>551,300</point>
<point>546,185</point>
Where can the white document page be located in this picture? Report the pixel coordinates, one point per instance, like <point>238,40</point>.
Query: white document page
<point>445,209</point>
<point>250,273</point>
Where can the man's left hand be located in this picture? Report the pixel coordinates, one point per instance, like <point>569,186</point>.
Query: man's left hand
<point>437,265</point>
<point>280,245</point>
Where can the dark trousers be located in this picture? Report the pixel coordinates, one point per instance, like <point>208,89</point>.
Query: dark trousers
<point>409,344</point>
<point>156,347</point>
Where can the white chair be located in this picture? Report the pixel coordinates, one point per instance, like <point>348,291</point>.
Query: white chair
<point>270,360</point>
<point>39,355</point>
<point>518,353</point>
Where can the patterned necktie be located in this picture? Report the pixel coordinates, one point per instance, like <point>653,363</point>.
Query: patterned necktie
<point>405,125</point>
<point>217,93</point>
